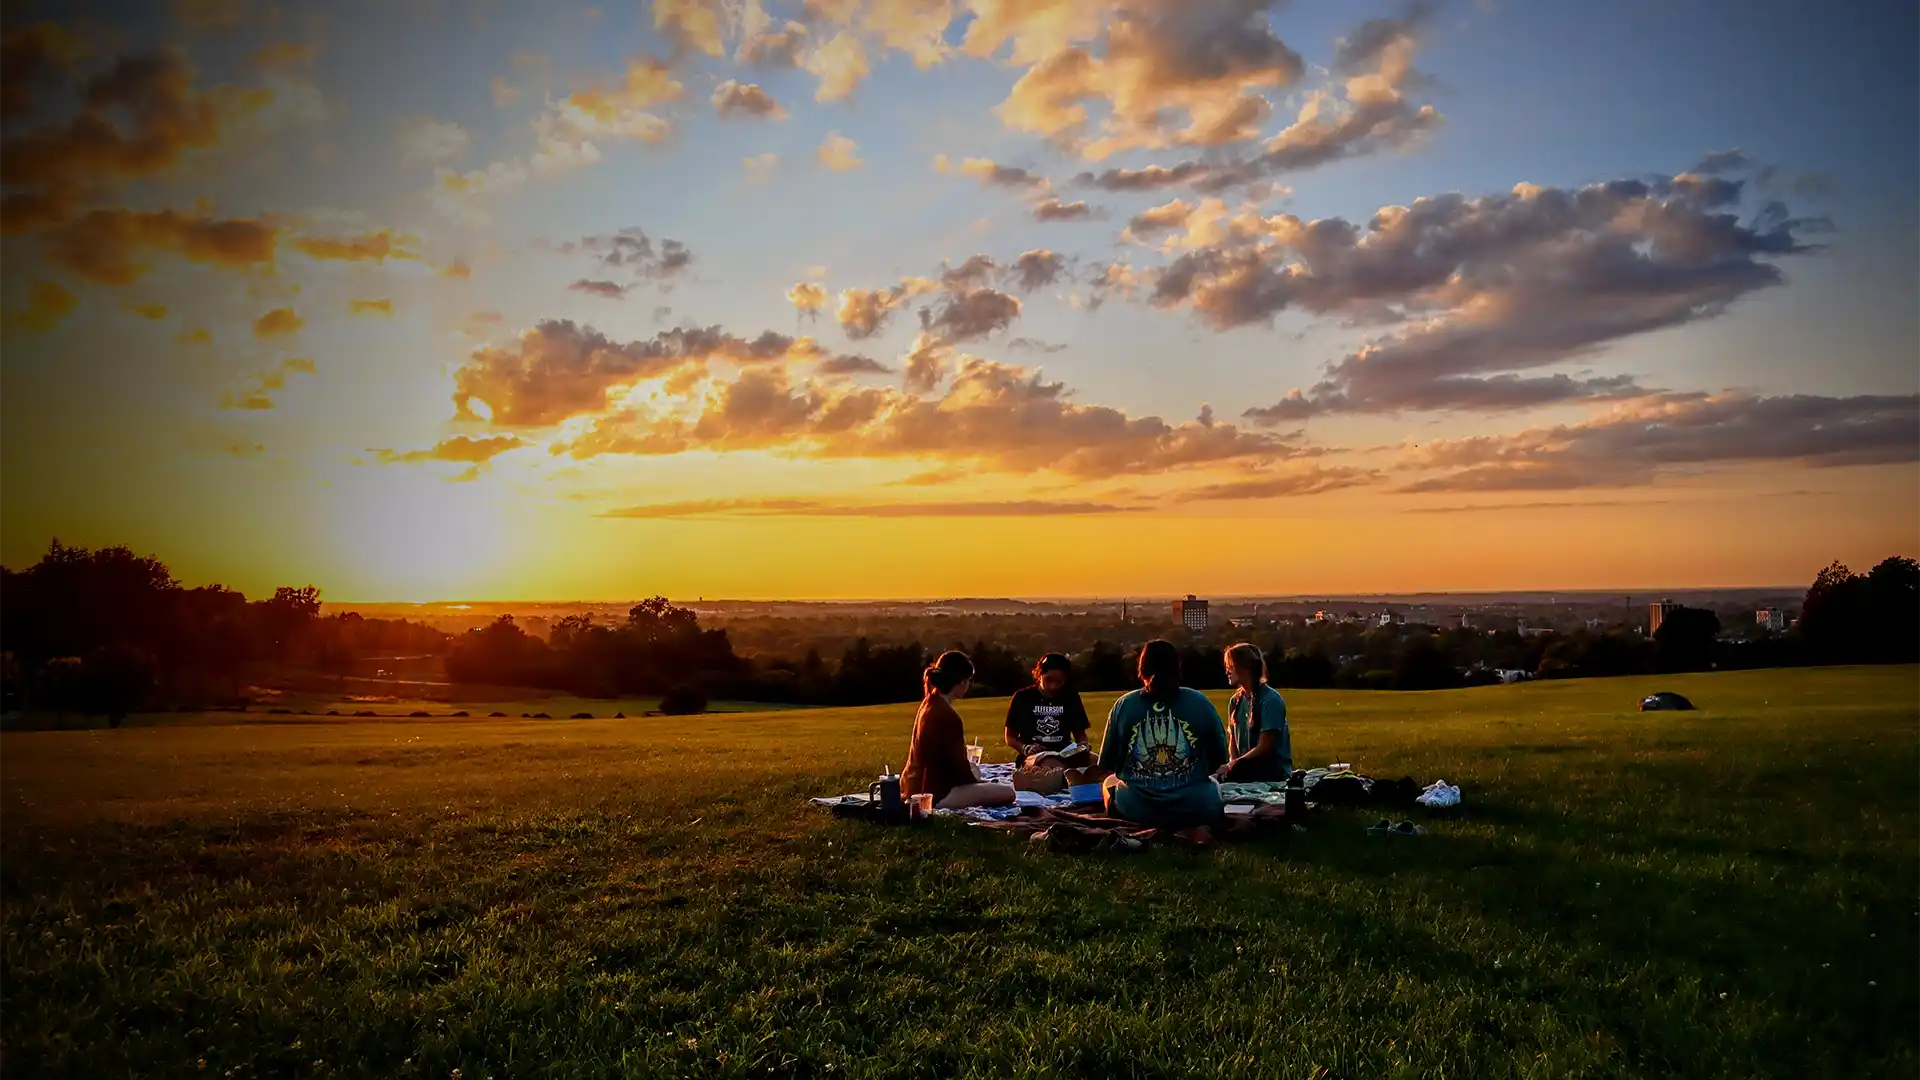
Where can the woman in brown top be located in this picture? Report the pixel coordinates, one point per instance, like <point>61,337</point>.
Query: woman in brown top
<point>937,758</point>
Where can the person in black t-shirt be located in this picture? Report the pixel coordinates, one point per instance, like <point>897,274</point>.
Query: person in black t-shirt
<point>1047,715</point>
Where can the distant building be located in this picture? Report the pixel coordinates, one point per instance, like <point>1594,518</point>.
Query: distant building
<point>1191,613</point>
<point>1657,614</point>
<point>1773,618</point>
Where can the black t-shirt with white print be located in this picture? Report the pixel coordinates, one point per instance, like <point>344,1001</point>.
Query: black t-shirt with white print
<point>1047,722</point>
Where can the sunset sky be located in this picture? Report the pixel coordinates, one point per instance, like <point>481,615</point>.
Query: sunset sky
<point>863,298</point>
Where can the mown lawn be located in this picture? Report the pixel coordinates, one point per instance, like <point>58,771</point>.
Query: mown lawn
<point>1729,893</point>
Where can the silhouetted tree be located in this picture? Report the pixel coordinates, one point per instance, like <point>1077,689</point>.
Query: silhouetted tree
<point>115,680</point>
<point>1422,665</point>
<point>1685,639</point>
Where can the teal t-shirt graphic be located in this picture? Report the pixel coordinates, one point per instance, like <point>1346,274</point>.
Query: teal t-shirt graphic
<point>1273,717</point>
<point>1165,755</point>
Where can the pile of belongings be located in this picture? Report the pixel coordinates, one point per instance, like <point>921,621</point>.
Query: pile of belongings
<point>1331,786</point>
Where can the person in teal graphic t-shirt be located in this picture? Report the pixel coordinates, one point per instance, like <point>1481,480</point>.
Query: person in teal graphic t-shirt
<point>1163,744</point>
<point>1260,746</point>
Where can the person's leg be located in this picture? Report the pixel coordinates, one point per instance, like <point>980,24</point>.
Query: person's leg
<point>1251,770</point>
<point>976,795</point>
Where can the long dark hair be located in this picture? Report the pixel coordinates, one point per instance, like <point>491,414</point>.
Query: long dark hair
<point>1160,670</point>
<point>1053,661</point>
<point>952,669</point>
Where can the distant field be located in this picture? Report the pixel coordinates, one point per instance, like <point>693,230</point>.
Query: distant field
<point>1734,892</point>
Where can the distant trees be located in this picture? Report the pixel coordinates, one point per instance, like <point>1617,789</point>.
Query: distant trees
<point>659,647</point>
<point>107,631</point>
<point>1870,618</point>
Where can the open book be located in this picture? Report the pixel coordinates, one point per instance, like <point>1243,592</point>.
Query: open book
<point>1062,754</point>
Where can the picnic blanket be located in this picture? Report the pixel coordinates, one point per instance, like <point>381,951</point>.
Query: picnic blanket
<point>1262,819</point>
<point>999,773</point>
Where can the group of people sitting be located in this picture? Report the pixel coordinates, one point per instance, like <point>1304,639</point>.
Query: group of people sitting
<point>1162,756</point>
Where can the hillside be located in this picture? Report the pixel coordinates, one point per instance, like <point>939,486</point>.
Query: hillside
<point>1722,893</point>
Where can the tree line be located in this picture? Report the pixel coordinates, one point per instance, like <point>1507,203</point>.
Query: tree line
<point>108,631</point>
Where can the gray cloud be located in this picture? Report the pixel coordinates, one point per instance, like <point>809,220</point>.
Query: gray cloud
<point>976,271</point>
<point>1054,210</point>
<point>1021,344</point>
<point>1037,269</point>
<point>973,313</point>
<point>1480,291</point>
<point>851,364</point>
<point>1633,444</point>
<point>632,254</point>
<point>610,290</point>
<point>732,97</point>
<point>1310,481</point>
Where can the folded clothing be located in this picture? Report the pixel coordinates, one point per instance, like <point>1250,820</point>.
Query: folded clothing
<point>1440,793</point>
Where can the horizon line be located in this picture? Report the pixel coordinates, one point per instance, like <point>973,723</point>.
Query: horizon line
<point>1104,598</point>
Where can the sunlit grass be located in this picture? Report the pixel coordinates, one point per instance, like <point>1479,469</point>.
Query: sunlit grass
<point>1730,892</point>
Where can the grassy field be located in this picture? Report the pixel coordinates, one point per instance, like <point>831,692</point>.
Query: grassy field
<point>1734,892</point>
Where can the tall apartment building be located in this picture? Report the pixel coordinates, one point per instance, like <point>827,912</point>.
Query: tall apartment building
<point>1191,613</point>
<point>1657,614</point>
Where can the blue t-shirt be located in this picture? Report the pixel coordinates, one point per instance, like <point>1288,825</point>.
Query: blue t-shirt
<point>1273,717</point>
<point>1165,756</point>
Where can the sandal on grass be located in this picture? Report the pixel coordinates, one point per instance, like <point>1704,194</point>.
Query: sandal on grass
<point>1380,828</point>
<point>1407,828</point>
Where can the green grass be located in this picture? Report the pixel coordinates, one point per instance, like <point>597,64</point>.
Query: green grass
<point>1727,893</point>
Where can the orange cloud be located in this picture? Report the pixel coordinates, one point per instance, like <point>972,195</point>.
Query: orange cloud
<point>371,307</point>
<point>990,173</point>
<point>840,64</point>
<point>458,268</point>
<point>732,97</point>
<point>259,396</point>
<point>373,247</point>
<point>104,245</point>
<point>560,369</point>
<point>993,416</point>
<point>1160,58</point>
<point>461,448</point>
<point>138,118</point>
<point>197,336</point>
<point>839,153</point>
<point>278,323</point>
<point>693,24</point>
<point>760,167</point>
<point>915,27</point>
<point>48,302</point>
<point>807,298</point>
<point>156,312</point>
